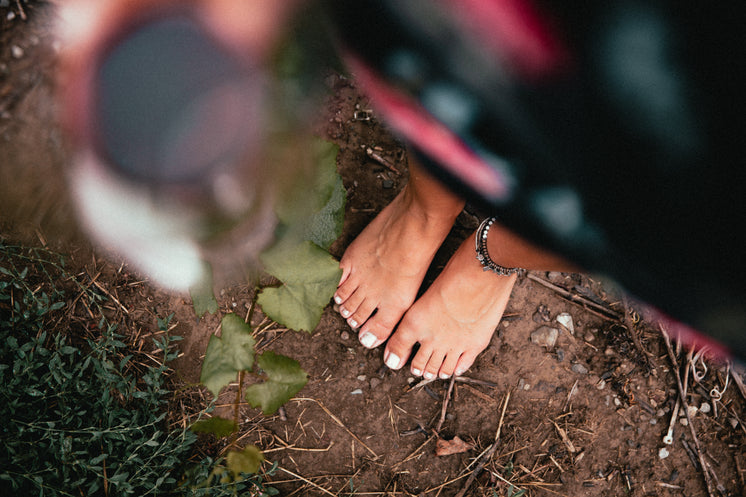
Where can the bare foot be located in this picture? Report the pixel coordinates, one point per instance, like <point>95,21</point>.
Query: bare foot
<point>454,320</point>
<point>385,265</point>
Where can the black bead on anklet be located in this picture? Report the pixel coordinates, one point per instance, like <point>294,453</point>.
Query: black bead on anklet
<point>484,257</point>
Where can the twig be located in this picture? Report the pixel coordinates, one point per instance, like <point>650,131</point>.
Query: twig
<point>336,420</point>
<point>444,408</point>
<point>309,482</point>
<point>587,304</point>
<point>381,160</point>
<point>489,453</point>
<point>629,323</point>
<point>682,394</point>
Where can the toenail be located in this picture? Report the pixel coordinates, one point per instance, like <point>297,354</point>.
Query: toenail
<point>368,340</point>
<point>344,312</point>
<point>392,361</point>
<point>337,299</point>
<point>459,371</point>
<point>353,323</point>
<point>416,372</point>
<point>444,376</point>
<point>429,376</point>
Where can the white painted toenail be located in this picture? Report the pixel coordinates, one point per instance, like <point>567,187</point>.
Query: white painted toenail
<point>353,323</point>
<point>429,376</point>
<point>368,340</point>
<point>416,372</point>
<point>458,372</point>
<point>444,376</point>
<point>344,312</point>
<point>337,299</point>
<point>393,361</point>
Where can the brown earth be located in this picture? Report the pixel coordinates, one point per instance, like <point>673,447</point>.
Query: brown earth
<point>583,417</point>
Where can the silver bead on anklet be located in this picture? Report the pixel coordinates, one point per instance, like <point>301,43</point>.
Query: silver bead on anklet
<point>484,257</point>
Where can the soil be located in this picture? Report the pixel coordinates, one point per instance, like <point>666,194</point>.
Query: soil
<point>585,416</point>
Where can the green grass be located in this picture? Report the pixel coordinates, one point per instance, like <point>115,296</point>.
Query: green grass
<point>77,417</point>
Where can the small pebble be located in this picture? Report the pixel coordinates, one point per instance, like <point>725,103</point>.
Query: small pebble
<point>374,382</point>
<point>388,184</point>
<point>589,337</point>
<point>683,422</point>
<point>692,411</point>
<point>617,402</point>
<point>733,423</point>
<point>344,335</point>
<point>545,336</point>
<point>16,51</point>
<point>11,15</point>
<point>653,421</point>
<point>357,391</point>
<point>579,368</point>
<point>663,453</point>
<point>705,408</point>
<point>565,319</point>
<point>362,377</point>
<point>601,384</point>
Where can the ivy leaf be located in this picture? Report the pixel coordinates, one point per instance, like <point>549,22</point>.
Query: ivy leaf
<point>325,226</point>
<point>220,427</point>
<point>232,352</point>
<point>246,461</point>
<point>309,276</point>
<point>203,297</point>
<point>285,379</point>
<point>314,208</point>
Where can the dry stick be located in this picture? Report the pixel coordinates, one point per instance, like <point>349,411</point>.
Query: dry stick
<point>336,420</point>
<point>487,455</point>
<point>309,482</point>
<point>682,394</point>
<point>631,328</point>
<point>588,305</point>
<point>444,408</point>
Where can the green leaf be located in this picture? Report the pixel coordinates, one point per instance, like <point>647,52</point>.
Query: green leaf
<point>314,208</point>
<point>247,461</point>
<point>285,379</point>
<point>309,276</point>
<point>220,427</point>
<point>203,297</point>
<point>227,355</point>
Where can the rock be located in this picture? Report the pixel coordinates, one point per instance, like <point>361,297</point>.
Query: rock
<point>565,319</point>
<point>541,315</point>
<point>16,51</point>
<point>357,391</point>
<point>579,368</point>
<point>705,408</point>
<point>374,382</point>
<point>545,336</point>
<point>344,335</point>
<point>589,336</point>
<point>663,453</point>
<point>388,184</point>
<point>362,377</point>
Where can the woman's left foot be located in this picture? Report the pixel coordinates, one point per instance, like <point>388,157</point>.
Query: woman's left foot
<point>453,321</point>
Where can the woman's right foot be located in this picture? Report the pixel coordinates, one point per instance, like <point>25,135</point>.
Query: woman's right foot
<point>385,265</point>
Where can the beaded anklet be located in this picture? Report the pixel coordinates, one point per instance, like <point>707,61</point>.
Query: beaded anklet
<point>483,256</point>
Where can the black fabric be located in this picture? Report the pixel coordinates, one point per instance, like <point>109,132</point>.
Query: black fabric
<point>644,126</point>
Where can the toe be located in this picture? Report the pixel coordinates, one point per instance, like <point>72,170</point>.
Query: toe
<point>351,304</point>
<point>464,363</point>
<point>449,365</point>
<point>379,326</point>
<point>419,361</point>
<point>399,346</point>
<point>345,289</point>
<point>433,364</point>
<point>363,312</point>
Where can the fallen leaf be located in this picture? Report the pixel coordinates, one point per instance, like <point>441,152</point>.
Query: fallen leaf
<point>449,447</point>
<point>246,461</point>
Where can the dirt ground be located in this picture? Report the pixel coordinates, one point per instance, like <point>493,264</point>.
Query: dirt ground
<point>584,416</point>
